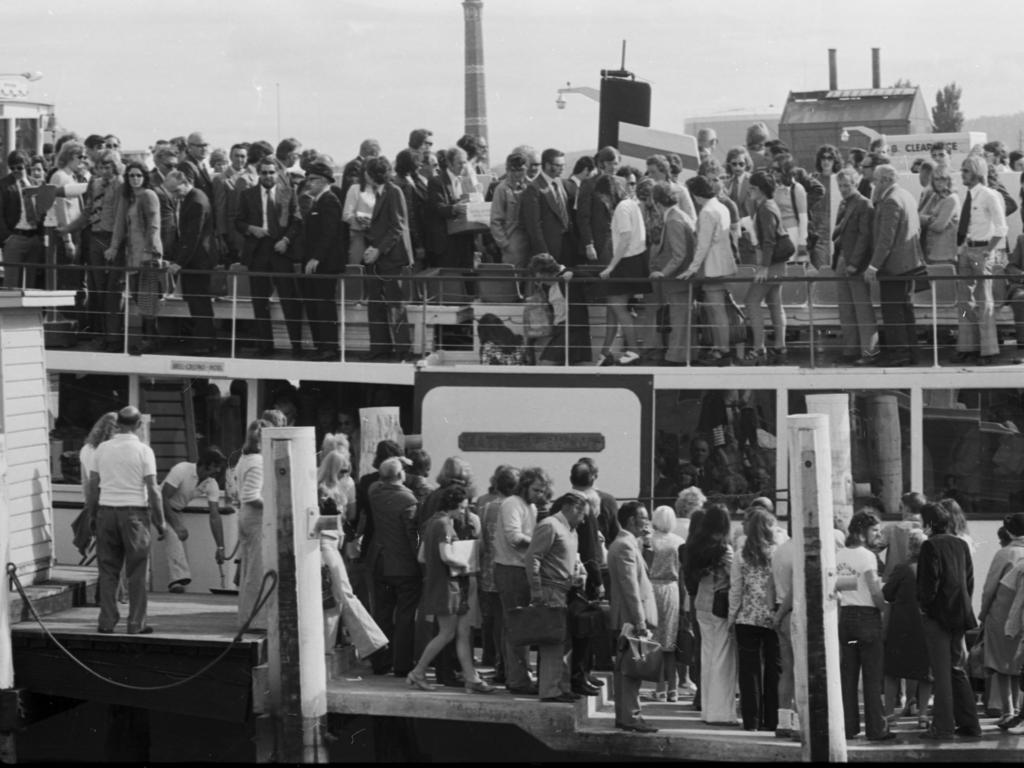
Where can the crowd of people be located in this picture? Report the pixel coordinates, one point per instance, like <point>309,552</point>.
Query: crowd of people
<point>653,247</point>
<point>413,566</point>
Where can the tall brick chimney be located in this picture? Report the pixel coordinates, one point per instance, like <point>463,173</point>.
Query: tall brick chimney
<point>476,96</point>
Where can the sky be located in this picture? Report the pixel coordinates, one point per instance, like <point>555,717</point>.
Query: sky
<point>339,71</point>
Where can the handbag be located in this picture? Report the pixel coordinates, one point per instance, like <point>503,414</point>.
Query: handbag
<point>641,658</point>
<point>536,625</point>
<point>538,317</point>
<point>919,275</point>
<point>720,604</point>
<point>784,248</point>
<point>684,641</point>
<point>587,619</point>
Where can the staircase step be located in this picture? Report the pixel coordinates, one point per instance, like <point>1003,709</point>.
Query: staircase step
<point>67,587</point>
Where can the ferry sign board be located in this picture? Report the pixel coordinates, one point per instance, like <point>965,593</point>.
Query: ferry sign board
<point>905,149</point>
<point>196,366</point>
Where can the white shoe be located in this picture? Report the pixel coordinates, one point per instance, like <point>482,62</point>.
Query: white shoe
<point>1017,730</point>
<point>628,357</point>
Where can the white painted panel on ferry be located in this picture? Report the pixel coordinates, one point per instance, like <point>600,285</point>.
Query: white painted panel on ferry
<point>23,371</point>
<point>449,411</point>
<point>23,338</point>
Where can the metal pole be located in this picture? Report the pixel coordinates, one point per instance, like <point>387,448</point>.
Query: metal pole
<point>234,310</point>
<point>341,323</point>
<point>567,315</point>
<point>935,327</point>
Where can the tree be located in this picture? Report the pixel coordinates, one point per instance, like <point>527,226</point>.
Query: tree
<point>903,83</point>
<point>946,114</point>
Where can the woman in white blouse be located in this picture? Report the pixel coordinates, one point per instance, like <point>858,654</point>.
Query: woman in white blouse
<point>357,212</point>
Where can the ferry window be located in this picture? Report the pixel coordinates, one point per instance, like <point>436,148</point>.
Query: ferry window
<point>722,441</point>
<point>974,449</point>
<point>81,400</point>
<point>879,445</point>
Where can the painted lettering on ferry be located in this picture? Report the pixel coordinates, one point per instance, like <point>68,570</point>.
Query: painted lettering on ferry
<point>532,442</point>
<point>195,366</point>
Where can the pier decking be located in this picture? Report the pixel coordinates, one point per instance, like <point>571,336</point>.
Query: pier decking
<point>191,629</point>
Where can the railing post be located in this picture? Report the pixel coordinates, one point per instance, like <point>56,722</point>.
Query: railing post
<point>234,310</point>
<point>815,619</point>
<point>297,672</point>
<point>810,318</point>
<point>127,294</point>
<point>567,316</point>
<point>341,318</point>
<point>935,326</point>
<point>689,324</point>
<point>423,322</point>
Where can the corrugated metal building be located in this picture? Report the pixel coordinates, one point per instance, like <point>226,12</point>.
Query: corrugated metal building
<point>813,118</point>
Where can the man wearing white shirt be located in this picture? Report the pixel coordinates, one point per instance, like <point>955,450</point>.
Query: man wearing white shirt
<point>123,499</point>
<point>518,519</point>
<point>982,227</point>
<point>187,481</point>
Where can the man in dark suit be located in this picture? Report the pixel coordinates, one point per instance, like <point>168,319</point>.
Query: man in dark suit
<point>896,251</point>
<point>322,255</point>
<point>632,602</point>
<point>945,581</point>
<point>390,251</point>
<point>21,233</point>
<point>194,166</point>
<point>194,250</point>
<point>267,220</point>
<point>852,254</point>
<point>545,207</point>
<point>582,171</point>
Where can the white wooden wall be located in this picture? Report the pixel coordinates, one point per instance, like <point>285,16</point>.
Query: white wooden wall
<point>24,421</point>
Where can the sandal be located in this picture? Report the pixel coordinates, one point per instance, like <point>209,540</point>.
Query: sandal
<point>479,686</point>
<point>418,682</point>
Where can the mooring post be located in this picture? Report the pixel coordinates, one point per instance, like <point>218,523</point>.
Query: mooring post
<point>837,407</point>
<point>815,619</point>
<point>8,718</point>
<point>296,673</point>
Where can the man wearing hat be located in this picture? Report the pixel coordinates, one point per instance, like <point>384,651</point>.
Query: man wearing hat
<point>321,244</point>
<point>552,568</point>
<point>123,499</point>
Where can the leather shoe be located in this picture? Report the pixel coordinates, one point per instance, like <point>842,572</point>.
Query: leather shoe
<point>597,682</point>
<point>967,733</point>
<point>931,734</point>
<point>586,690</point>
<point>987,360</point>
<point>562,698</point>
<point>638,726</point>
<point>146,630</point>
<point>103,631</point>
<point>887,736</point>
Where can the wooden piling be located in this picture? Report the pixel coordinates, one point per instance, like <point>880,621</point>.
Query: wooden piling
<point>297,674</point>
<point>886,442</point>
<point>837,407</point>
<point>815,619</point>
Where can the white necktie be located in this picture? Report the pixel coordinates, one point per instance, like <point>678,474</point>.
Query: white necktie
<point>266,199</point>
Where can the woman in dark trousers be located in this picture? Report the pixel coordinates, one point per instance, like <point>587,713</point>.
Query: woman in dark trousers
<point>860,629</point>
<point>751,612</point>
<point>688,584</point>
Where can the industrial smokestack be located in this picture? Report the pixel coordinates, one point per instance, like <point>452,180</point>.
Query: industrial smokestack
<point>833,75</point>
<point>876,68</point>
<point>476,97</point>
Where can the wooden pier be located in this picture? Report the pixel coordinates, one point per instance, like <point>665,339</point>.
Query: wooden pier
<point>191,629</point>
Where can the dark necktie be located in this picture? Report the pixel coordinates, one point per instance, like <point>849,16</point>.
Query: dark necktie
<point>965,220</point>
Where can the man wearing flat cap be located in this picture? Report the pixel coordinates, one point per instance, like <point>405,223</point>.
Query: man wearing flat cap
<point>123,499</point>
<point>321,245</point>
